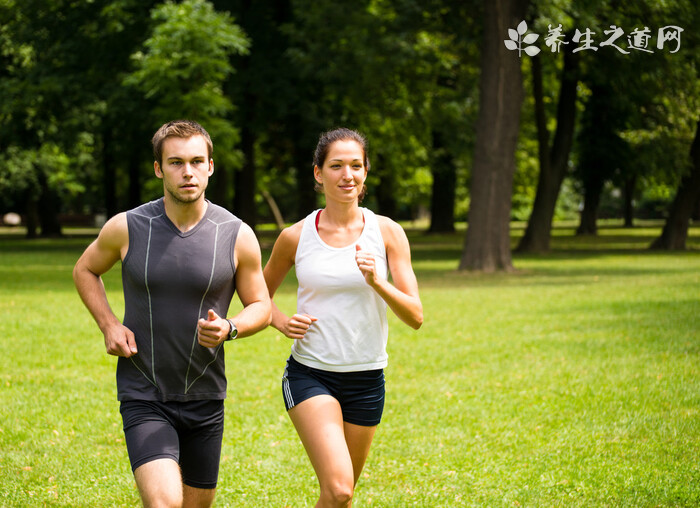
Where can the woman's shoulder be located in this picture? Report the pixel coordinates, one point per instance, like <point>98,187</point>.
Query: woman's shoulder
<point>388,225</point>
<point>392,232</point>
<point>289,236</point>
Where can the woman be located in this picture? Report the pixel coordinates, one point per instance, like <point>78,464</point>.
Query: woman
<point>333,384</point>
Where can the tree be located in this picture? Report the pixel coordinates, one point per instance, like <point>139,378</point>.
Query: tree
<point>487,240</point>
<point>182,67</point>
<point>603,150</point>
<point>554,159</point>
<point>451,28</point>
<point>675,231</point>
<point>364,65</point>
<point>638,107</point>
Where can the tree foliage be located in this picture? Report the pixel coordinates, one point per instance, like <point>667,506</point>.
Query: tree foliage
<point>84,84</point>
<point>184,64</point>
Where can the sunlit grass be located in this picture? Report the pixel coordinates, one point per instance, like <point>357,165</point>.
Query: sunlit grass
<point>573,382</point>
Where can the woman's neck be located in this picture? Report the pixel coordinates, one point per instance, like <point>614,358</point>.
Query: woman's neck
<point>342,214</point>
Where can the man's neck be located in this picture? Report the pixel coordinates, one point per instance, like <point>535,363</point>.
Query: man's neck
<point>185,216</point>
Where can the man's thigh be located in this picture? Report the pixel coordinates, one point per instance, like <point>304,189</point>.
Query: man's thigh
<point>189,434</point>
<point>159,483</point>
<point>200,444</point>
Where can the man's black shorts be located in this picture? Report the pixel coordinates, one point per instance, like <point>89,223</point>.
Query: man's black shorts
<point>360,394</point>
<point>189,433</point>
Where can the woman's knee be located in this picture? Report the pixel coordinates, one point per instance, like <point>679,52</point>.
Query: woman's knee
<point>338,492</point>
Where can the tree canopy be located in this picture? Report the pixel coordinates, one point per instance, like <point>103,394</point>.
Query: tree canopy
<point>589,111</point>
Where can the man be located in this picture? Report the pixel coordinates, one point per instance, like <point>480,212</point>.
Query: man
<point>182,259</point>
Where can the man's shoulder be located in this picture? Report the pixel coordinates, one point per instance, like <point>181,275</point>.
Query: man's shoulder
<point>220,215</point>
<point>150,209</point>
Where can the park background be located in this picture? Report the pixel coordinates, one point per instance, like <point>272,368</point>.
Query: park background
<point>552,202</point>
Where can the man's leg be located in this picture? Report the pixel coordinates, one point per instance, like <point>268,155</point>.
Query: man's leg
<point>155,448</point>
<point>198,498</point>
<point>200,452</point>
<point>159,483</point>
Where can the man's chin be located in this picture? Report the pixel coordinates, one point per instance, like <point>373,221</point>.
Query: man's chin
<point>186,198</point>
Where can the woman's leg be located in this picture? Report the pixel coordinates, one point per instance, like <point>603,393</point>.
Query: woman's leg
<point>359,439</point>
<point>337,450</point>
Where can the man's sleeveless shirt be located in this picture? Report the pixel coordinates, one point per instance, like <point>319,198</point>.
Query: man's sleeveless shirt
<point>351,331</point>
<point>171,279</point>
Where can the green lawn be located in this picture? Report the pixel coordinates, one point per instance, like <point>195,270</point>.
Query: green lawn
<point>573,382</point>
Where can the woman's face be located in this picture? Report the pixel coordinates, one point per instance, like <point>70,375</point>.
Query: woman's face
<point>343,173</point>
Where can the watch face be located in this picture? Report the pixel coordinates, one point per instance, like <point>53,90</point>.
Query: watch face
<point>234,331</point>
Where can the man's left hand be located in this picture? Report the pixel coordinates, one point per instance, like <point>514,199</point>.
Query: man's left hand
<point>213,330</point>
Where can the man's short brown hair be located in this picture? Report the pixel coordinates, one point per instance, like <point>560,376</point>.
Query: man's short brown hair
<point>179,129</point>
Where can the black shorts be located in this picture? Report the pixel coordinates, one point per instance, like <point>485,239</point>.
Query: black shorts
<point>360,394</point>
<point>190,433</point>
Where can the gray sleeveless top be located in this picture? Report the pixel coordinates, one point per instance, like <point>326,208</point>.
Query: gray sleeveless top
<point>171,279</point>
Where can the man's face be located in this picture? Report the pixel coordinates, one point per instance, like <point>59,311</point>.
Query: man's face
<point>186,168</point>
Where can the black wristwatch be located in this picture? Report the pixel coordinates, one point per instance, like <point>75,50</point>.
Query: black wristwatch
<point>233,333</point>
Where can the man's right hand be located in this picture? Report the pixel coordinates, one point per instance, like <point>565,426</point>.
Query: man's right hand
<point>120,341</point>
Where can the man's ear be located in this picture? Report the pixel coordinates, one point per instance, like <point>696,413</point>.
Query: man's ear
<point>157,170</point>
<point>211,167</point>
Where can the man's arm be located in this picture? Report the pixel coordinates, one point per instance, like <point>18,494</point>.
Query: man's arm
<point>251,289</point>
<point>109,247</point>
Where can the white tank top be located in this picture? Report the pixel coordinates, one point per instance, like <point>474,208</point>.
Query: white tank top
<point>351,332</point>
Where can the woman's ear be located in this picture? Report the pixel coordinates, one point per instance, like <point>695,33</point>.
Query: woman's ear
<point>317,175</point>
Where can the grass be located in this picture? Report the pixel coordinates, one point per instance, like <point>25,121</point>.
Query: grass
<point>573,382</point>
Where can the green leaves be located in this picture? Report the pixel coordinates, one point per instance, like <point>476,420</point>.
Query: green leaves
<point>185,61</point>
<point>182,66</point>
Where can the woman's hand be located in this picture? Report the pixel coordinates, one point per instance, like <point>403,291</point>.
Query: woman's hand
<point>365,262</point>
<point>298,325</point>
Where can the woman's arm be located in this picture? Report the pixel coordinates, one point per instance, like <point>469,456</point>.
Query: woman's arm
<point>402,296</point>
<point>280,262</point>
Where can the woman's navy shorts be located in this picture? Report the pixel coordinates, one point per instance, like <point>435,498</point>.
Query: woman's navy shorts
<point>360,394</point>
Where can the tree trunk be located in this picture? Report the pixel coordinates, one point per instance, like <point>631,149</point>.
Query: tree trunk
<point>109,175</point>
<point>442,201</point>
<point>601,151</point>
<point>245,186</point>
<point>134,170</point>
<point>592,190</point>
<point>32,216</point>
<point>48,206</point>
<point>554,162</point>
<point>675,232</point>
<point>279,220</point>
<point>307,198</point>
<point>219,185</point>
<point>386,190</point>
<point>628,196</point>
<point>487,240</point>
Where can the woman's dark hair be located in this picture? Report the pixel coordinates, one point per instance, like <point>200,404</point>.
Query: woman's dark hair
<point>340,134</point>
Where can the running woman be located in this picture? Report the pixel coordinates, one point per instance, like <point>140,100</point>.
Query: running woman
<point>333,383</point>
